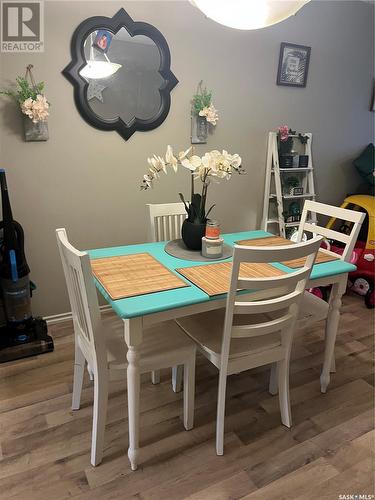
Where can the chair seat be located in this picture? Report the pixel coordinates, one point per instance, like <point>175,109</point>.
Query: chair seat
<point>163,346</point>
<point>206,329</point>
<point>312,309</point>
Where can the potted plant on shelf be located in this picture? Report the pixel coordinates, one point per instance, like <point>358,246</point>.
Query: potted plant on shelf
<point>212,166</point>
<point>288,157</point>
<point>33,104</point>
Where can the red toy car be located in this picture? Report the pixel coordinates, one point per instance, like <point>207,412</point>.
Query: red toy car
<point>362,280</point>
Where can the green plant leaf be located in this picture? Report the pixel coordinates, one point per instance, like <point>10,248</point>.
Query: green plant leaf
<point>209,210</point>
<point>184,202</point>
<point>24,90</point>
<point>202,100</point>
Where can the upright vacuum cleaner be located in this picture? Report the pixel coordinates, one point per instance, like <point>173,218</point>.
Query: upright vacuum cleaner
<point>21,335</point>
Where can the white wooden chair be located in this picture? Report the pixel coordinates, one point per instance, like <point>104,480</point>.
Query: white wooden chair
<point>254,333</point>
<point>353,216</point>
<point>165,221</point>
<point>104,349</point>
<point>313,308</point>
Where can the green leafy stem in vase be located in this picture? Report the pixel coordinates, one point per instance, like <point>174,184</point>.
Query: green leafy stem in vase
<point>202,105</point>
<point>212,166</point>
<point>30,99</point>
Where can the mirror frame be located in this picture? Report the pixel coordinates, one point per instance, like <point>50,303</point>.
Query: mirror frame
<point>72,72</point>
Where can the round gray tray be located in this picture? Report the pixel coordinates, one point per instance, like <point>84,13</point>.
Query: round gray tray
<point>177,248</point>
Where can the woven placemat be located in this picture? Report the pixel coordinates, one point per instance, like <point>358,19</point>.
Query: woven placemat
<point>279,241</point>
<point>265,241</point>
<point>136,274</point>
<point>214,279</point>
<point>320,258</point>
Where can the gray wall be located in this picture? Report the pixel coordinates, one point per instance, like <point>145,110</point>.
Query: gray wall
<point>87,180</point>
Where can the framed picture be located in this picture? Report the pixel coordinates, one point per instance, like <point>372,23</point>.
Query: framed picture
<point>293,65</point>
<point>102,40</point>
<point>296,191</point>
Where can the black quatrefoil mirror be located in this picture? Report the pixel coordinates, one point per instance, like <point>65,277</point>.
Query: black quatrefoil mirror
<point>121,74</point>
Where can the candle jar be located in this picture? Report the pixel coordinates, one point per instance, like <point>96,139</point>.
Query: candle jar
<point>212,248</point>
<point>212,229</point>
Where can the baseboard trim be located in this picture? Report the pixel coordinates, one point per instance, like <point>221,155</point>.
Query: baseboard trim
<point>59,318</point>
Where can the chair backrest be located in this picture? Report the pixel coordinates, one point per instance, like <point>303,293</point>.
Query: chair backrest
<point>356,218</point>
<point>82,296</point>
<point>165,221</point>
<point>281,294</point>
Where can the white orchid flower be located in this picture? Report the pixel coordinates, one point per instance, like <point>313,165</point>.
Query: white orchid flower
<point>208,161</point>
<point>183,154</point>
<point>213,166</point>
<point>236,161</point>
<point>147,180</point>
<point>150,161</point>
<point>153,163</point>
<point>154,173</point>
<point>215,153</point>
<point>161,164</point>
<point>170,159</point>
<point>192,163</point>
<point>157,163</point>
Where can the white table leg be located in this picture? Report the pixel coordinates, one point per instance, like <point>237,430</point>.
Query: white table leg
<point>133,339</point>
<point>177,377</point>
<point>332,323</point>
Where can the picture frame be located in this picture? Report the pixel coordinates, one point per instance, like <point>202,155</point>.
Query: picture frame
<point>292,218</point>
<point>102,41</point>
<point>293,66</point>
<point>296,191</point>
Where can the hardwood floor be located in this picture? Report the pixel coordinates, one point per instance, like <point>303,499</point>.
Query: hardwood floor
<point>44,446</point>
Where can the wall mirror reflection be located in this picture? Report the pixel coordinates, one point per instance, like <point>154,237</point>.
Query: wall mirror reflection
<point>121,74</point>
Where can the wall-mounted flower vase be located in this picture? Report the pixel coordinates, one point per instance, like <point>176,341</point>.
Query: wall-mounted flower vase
<point>199,129</point>
<point>203,114</point>
<point>35,131</point>
<point>30,99</point>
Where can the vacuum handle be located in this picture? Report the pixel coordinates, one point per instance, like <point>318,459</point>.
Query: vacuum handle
<point>19,252</point>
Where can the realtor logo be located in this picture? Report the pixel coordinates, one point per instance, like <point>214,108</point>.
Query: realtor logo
<point>22,26</point>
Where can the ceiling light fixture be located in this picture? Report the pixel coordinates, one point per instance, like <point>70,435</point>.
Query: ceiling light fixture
<point>249,14</point>
<point>99,69</point>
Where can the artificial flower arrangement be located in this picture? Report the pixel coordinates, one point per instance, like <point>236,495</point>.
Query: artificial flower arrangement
<point>212,166</point>
<point>30,99</point>
<point>285,139</point>
<point>202,105</point>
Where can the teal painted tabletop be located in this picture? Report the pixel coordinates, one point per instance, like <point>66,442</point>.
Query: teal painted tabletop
<point>162,301</point>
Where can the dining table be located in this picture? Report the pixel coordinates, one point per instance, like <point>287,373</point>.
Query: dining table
<point>141,311</point>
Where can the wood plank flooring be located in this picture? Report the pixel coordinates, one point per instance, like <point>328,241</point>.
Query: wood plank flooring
<point>44,446</point>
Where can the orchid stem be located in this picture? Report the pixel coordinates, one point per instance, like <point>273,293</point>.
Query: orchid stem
<point>192,186</point>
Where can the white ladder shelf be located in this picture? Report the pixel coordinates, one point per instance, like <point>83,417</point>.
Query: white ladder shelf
<point>274,181</point>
